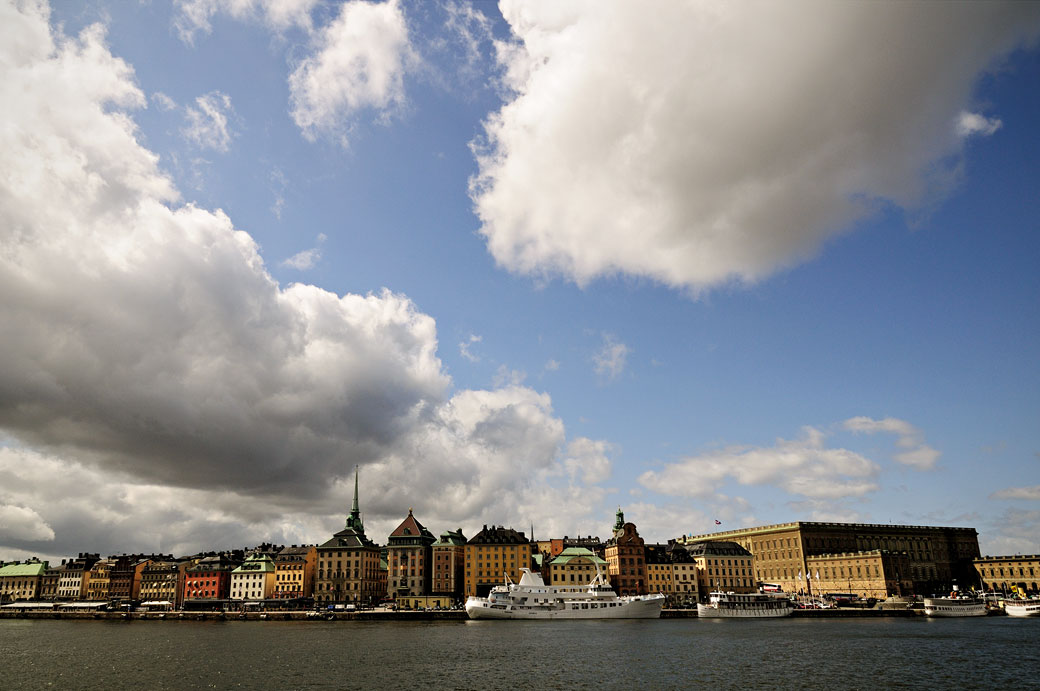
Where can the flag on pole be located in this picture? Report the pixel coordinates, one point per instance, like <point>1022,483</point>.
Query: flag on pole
<point>718,522</point>
<point>799,575</point>
<point>817,574</point>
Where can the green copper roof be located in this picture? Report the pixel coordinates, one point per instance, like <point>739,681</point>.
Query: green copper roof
<point>256,564</point>
<point>574,553</point>
<point>33,569</point>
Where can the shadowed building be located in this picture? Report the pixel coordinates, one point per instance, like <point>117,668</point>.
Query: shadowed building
<point>409,558</point>
<point>626,557</point>
<point>449,564</point>
<point>348,564</point>
<point>163,581</point>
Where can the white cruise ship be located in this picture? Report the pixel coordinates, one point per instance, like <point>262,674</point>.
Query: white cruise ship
<point>532,599</point>
<point>744,606</point>
<point>956,605</point>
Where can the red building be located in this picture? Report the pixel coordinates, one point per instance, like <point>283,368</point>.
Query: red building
<point>209,579</point>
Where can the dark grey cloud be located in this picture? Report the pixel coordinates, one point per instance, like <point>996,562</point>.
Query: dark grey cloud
<point>159,390</point>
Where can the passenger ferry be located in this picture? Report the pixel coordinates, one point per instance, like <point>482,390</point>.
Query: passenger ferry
<point>532,599</point>
<point>1022,608</point>
<point>745,606</point>
<point>956,605</point>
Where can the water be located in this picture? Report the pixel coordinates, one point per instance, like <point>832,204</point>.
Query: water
<point>983,653</point>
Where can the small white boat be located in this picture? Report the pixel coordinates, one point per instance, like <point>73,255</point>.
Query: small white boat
<point>532,599</point>
<point>956,605</point>
<point>1022,608</point>
<point>745,606</point>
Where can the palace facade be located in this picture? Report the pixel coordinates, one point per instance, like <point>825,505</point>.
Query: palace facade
<point>937,557</point>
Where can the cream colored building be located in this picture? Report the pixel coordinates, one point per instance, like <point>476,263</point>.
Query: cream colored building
<point>21,580</point>
<point>576,566</point>
<point>938,556</point>
<point>254,579</point>
<point>870,574</point>
<point>722,565</point>
<point>1018,573</point>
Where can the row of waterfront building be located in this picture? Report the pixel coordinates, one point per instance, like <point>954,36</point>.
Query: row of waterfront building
<point>417,569</point>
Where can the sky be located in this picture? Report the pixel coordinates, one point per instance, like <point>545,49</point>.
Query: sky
<point>521,265</point>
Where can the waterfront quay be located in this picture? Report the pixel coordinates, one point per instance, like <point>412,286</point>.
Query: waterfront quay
<point>386,614</point>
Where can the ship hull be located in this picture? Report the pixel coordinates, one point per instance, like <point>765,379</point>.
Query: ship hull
<point>1031,609</point>
<point>954,607</point>
<point>642,608</point>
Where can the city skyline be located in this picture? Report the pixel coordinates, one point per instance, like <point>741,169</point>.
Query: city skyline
<point>722,265</point>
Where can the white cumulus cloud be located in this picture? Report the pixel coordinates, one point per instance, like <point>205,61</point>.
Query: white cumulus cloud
<point>969,124</point>
<point>23,523</point>
<point>804,467</point>
<point>358,64</point>
<point>706,142</point>
<point>915,453</point>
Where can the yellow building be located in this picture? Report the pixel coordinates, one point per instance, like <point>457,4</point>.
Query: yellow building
<point>494,554</point>
<point>97,584</point>
<point>673,573</point>
<point>722,565</point>
<point>21,581</point>
<point>294,572</point>
<point>938,556</point>
<point>872,574</point>
<point>1019,573</point>
<point>575,566</point>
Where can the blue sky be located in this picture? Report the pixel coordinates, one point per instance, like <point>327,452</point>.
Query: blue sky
<point>521,264</point>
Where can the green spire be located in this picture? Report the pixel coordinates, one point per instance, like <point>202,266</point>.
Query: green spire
<point>354,519</point>
<point>620,522</point>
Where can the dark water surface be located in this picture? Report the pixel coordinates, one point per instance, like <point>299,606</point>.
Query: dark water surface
<point>983,653</point>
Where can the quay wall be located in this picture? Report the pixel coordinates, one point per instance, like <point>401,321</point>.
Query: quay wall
<point>388,615</point>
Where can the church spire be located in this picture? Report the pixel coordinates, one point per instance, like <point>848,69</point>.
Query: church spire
<point>354,519</point>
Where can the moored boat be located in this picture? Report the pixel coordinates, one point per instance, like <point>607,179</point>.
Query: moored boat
<point>1022,608</point>
<point>745,606</point>
<point>532,599</point>
<point>956,605</point>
